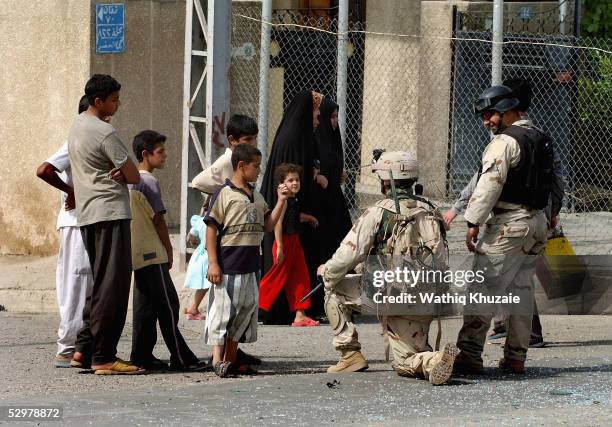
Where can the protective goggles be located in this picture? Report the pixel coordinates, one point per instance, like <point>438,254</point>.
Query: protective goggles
<point>482,104</point>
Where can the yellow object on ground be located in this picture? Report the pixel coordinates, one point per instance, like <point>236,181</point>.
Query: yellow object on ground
<point>560,271</point>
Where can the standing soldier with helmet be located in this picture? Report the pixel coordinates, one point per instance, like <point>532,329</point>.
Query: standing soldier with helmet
<point>376,233</point>
<point>514,185</point>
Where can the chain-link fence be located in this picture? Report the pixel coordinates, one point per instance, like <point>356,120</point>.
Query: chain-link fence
<point>413,91</point>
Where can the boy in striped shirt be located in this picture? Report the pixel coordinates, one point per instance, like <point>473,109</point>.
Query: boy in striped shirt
<point>236,222</point>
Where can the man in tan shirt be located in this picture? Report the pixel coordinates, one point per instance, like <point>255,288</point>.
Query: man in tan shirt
<point>103,214</point>
<point>514,185</point>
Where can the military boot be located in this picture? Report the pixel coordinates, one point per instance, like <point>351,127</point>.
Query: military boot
<point>465,366</point>
<point>443,364</point>
<point>350,361</point>
<point>512,366</point>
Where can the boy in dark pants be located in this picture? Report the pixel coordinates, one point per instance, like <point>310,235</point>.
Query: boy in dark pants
<point>155,297</point>
<point>100,168</point>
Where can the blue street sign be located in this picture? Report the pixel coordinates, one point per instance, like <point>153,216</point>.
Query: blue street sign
<point>525,12</point>
<point>110,28</point>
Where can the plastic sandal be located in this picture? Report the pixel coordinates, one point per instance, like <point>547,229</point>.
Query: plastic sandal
<point>120,367</point>
<point>62,361</point>
<point>80,364</point>
<point>306,322</point>
<point>243,370</point>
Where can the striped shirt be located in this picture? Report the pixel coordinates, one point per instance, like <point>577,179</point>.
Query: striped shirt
<point>239,218</point>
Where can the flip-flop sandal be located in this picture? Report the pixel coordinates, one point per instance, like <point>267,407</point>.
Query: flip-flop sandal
<point>198,316</point>
<point>62,362</point>
<point>306,322</point>
<point>79,365</point>
<point>120,368</point>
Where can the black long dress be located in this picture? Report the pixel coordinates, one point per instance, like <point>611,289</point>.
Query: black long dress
<point>293,143</point>
<point>332,211</point>
<point>336,218</point>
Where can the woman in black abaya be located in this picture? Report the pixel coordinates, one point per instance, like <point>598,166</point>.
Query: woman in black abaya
<point>335,221</point>
<point>331,208</point>
<point>293,143</point>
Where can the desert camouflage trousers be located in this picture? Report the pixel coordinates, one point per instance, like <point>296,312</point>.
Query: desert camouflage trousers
<point>408,335</point>
<point>507,257</point>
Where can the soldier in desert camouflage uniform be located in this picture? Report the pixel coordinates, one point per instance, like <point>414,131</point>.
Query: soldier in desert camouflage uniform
<point>372,235</point>
<point>514,186</point>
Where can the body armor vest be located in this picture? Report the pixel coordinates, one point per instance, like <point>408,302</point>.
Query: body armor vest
<point>530,182</point>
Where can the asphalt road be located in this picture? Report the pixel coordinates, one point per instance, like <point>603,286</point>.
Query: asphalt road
<point>567,382</point>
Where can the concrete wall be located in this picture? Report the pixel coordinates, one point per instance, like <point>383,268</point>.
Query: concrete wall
<point>434,89</point>
<point>390,94</point>
<point>151,74</point>
<point>44,64</point>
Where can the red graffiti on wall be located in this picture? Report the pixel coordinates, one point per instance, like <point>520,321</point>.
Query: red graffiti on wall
<point>218,130</point>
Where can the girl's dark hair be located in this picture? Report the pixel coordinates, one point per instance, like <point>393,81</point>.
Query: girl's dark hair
<point>284,169</point>
<point>522,91</point>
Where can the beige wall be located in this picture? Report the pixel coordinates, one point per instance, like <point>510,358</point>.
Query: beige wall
<point>434,88</point>
<point>390,101</point>
<point>44,64</point>
<point>151,75</point>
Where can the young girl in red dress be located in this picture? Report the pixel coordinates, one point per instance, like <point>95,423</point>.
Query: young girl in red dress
<point>289,271</point>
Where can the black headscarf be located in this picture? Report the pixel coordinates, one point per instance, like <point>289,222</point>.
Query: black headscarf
<point>329,145</point>
<point>293,143</point>
<point>334,217</point>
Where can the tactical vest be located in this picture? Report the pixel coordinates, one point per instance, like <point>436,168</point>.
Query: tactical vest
<point>530,182</point>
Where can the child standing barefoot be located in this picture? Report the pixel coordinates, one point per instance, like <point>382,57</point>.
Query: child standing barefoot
<point>289,271</point>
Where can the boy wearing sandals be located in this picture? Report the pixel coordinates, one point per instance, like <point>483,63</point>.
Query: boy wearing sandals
<point>155,297</point>
<point>101,167</point>
<point>240,215</point>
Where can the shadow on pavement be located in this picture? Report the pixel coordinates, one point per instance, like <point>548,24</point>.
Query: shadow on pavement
<point>532,373</point>
<point>578,343</point>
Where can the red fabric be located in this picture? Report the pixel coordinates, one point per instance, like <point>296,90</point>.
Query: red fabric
<point>291,275</point>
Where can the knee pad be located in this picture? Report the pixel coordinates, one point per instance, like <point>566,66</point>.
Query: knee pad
<point>336,317</point>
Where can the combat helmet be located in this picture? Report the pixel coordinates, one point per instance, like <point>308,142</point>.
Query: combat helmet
<point>496,98</point>
<point>401,164</point>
